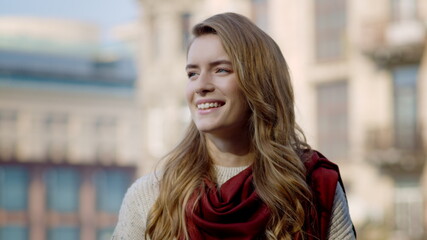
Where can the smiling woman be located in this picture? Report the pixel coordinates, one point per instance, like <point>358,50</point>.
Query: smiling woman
<point>217,104</point>
<point>243,170</point>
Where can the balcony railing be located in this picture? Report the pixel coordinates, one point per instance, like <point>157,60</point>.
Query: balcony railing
<point>61,150</point>
<point>383,151</point>
<point>393,42</point>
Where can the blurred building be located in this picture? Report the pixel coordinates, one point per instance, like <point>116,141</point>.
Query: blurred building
<point>69,130</point>
<point>359,69</point>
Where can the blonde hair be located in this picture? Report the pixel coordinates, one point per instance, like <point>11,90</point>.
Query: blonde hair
<point>277,141</point>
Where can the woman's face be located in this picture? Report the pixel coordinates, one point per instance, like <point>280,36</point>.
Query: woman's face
<point>216,102</point>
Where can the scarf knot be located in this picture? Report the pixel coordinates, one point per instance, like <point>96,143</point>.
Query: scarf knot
<point>232,212</point>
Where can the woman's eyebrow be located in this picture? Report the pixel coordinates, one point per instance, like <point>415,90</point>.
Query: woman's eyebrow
<point>211,64</point>
<point>189,66</point>
<point>219,62</point>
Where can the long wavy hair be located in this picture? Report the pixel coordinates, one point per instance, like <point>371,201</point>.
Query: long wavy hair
<point>276,139</point>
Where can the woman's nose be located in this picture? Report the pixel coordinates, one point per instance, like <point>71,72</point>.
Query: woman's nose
<point>204,84</point>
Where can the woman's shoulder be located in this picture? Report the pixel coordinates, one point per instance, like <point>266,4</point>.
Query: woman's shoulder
<point>142,194</point>
<point>136,205</point>
<point>145,186</point>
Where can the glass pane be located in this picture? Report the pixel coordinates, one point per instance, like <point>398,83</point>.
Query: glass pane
<point>185,29</point>
<point>111,186</point>
<point>64,233</point>
<point>13,188</point>
<point>332,108</point>
<point>105,233</point>
<point>14,232</point>
<point>63,186</point>
<point>330,29</point>
<point>409,208</point>
<point>405,105</point>
<point>259,9</point>
<point>403,9</point>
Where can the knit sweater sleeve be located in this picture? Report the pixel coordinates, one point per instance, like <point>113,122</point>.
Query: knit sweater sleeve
<point>137,202</point>
<point>341,226</point>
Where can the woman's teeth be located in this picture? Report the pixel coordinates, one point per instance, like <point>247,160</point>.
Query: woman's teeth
<point>208,105</point>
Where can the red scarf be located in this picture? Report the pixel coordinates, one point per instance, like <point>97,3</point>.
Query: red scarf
<point>234,212</point>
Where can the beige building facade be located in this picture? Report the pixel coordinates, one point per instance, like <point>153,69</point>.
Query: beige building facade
<point>69,130</point>
<point>359,71</point>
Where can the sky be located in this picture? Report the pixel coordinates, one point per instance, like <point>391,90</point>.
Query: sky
<point>105,13</point>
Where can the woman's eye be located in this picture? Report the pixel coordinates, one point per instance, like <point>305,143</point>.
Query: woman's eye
<point>222,70</point>
<point>191,74</point>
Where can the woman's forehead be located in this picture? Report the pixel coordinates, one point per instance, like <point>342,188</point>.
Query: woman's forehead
<point>206,48</point>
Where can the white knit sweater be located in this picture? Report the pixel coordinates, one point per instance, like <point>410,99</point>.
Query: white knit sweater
<point>141,196</point>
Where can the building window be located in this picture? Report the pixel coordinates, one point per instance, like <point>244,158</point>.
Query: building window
<point>105,233</point>
<point>405,106</point>
<point>8,134</point>
<point>111,186</point>
<point>13,232</point>
<point>14,181</point>
<point>63,233</point>
<point>408,215</point>
<point>56,129</point>
<point>106,132</point>
<point>13,188</point>
<point>403,10</point>
<point>259,10</point>
<point>153,36</point>
<point>59,197</point>
<point>185,29</point>
<point>63,186</point>
<point>330,29</point>
<point>332,115</point>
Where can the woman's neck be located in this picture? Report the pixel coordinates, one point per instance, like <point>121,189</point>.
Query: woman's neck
<point>230,152</point>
